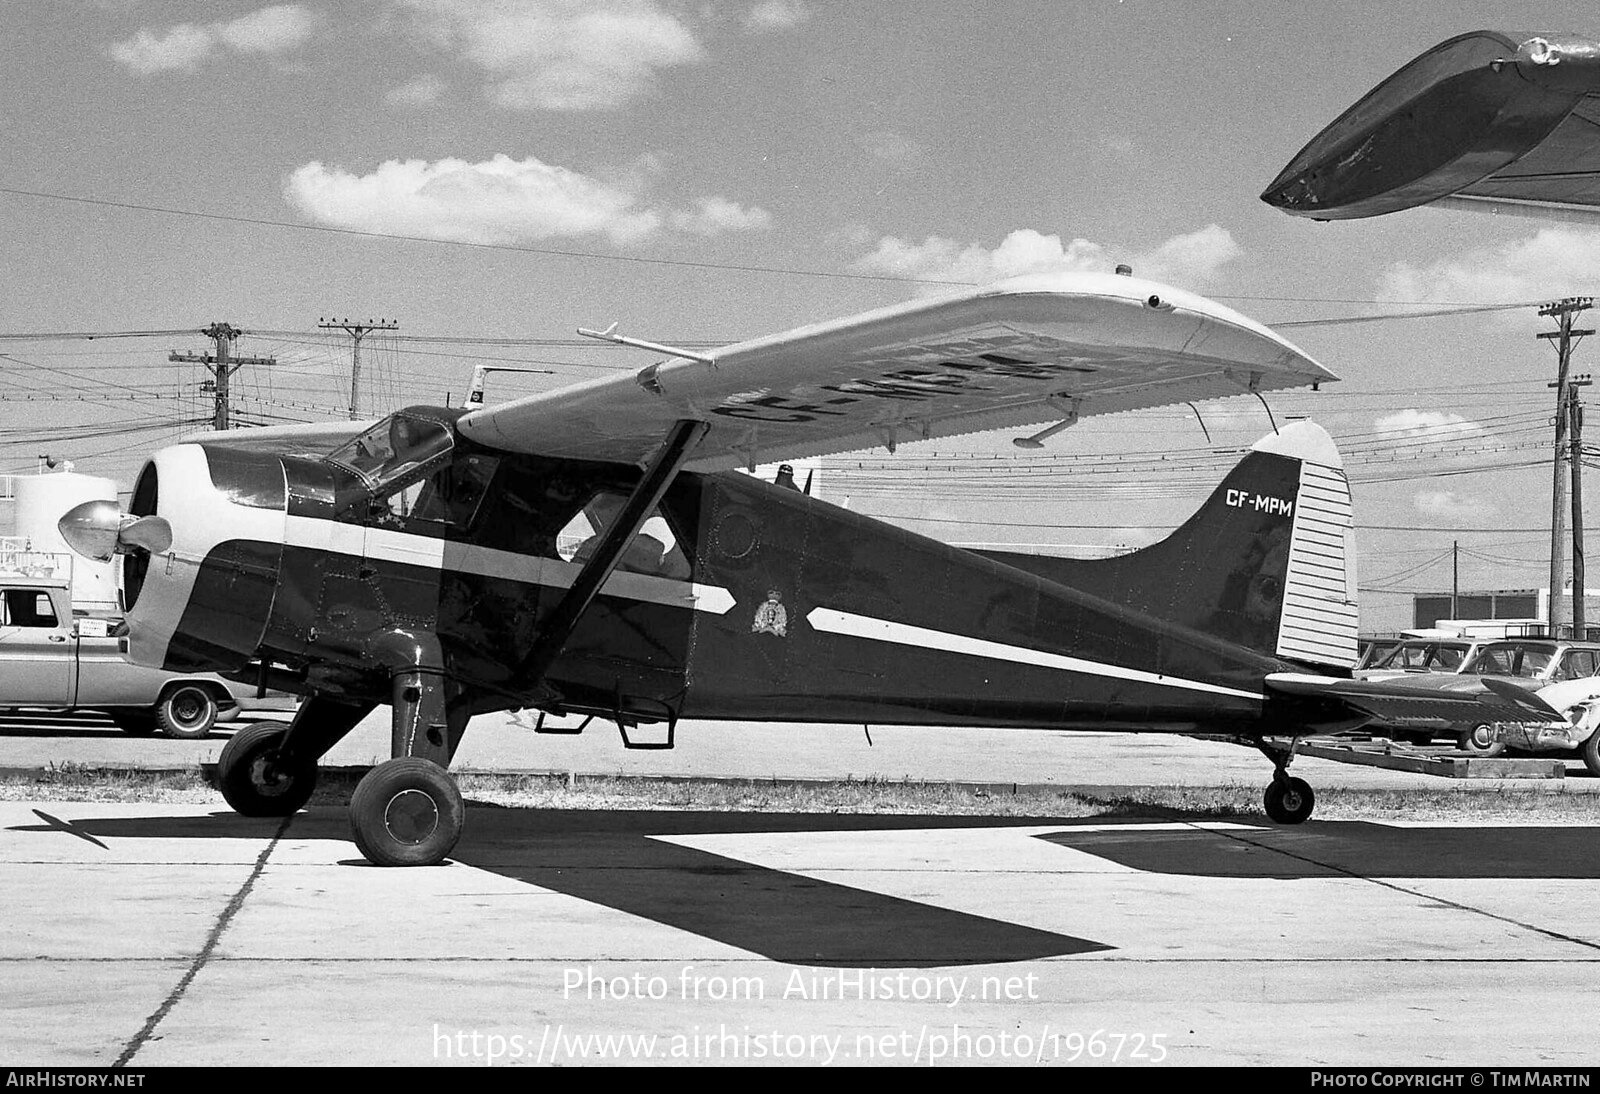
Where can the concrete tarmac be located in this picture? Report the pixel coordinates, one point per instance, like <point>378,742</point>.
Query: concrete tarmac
<point>153,934</point>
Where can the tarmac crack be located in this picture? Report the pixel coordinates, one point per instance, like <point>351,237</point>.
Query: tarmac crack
<point>202,958</point>
<point>1240,837</point>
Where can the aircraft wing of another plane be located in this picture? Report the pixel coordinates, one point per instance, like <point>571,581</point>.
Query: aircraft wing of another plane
<point>1504,122</point>
<point>1021,353</point>
<point>1409,705</point>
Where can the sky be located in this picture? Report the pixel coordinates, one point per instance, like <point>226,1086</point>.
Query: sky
<point>492,174</point>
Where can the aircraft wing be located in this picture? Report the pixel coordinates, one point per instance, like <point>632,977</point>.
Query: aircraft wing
<point>1399,704</point>
<point>1502,122</point>
<point>1021,353</point>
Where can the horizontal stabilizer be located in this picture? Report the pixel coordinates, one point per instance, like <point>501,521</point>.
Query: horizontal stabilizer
<point>1528,701</point>
<point>1412,706</point>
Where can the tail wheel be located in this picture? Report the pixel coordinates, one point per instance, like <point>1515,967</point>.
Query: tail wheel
<point>1481,741</point>
<point>256,781</point>
<point>1289,800</point>
<point>187,711</point>
<point>406,812</point>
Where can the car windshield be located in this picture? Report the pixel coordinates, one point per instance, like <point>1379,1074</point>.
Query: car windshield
<point>1422,656</point>
<point>1510,659</point>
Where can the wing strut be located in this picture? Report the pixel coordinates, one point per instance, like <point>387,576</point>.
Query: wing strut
<point>657,477</point>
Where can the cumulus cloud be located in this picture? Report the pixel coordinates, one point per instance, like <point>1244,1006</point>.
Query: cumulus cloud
<point>775,15</point>
<point>500,200</point>
<point>1450,505</point>
<point>183,47</point>
<point>559,54</point>
<point>1428,424</point>
<point>714,215</point>
<point>1187,260</point>
<point>1552,263</point>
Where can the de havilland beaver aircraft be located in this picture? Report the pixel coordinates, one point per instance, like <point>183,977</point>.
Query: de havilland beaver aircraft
<point>593,550</point>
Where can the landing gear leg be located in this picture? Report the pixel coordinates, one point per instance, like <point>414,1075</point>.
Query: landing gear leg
<point>408,811</point>
<point>1287,800</point>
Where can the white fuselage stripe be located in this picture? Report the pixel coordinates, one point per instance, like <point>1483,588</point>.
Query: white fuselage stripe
<point>904,634</point>
<point>404,548</point>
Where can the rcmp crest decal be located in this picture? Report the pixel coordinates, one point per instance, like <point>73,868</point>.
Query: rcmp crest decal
<point>771,618</point>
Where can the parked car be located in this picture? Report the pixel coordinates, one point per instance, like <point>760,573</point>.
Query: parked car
<point>50,659</point>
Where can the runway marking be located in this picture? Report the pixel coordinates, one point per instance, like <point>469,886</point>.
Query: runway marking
<point>1418,893</point>
<point>206,950</point>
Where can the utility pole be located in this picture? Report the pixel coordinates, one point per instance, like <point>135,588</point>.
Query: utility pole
<point>1575,425</point>
<point>1455,579</point>
<point>1562,312</point>
<point>222,365</point>
<point>356,331</point>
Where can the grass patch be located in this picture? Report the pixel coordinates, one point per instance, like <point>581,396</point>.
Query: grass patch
<point>1544,802</point>
<point>72,781</point>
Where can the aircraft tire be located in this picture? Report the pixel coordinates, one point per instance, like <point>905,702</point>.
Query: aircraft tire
<point>406,812</point>
<point>1591,753</point>
<point>1480,741</point>
<point>1289,800</point>
<point>250,780</point>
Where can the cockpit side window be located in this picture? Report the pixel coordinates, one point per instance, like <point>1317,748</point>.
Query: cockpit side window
<point>654,550</point>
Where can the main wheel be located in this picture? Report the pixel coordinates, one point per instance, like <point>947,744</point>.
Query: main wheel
<point>406,812</point>
<point>254,779</point>
<point>187,711</point>
<point>1591,753</point>
<point>1481,741</point>
<point>1289,800</point>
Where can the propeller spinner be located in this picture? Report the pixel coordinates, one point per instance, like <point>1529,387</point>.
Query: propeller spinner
<point>100,530</point>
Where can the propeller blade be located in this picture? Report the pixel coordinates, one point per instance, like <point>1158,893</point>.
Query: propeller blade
<point>154,534</point>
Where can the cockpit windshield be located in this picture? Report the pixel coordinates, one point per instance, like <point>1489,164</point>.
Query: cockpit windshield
<point>394,449</point>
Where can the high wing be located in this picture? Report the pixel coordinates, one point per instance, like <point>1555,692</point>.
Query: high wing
<point>1494,121</point>
<point>1020,353</point>
<point>1402,705</point>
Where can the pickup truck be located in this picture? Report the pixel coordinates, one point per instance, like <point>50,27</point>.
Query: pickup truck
<point>51,659</point>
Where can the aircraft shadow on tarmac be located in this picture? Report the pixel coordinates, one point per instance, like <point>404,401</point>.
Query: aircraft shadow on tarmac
<point>615,858</point>
<point>612,858</point>
<point>1324,849</point>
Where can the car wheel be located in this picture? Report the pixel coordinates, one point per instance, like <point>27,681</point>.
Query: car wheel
<point>187,711</point>
<point>1481,741</point>
<point>1591,753</point>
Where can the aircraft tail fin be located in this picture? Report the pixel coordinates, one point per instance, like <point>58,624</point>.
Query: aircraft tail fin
<point>1268,561</point>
